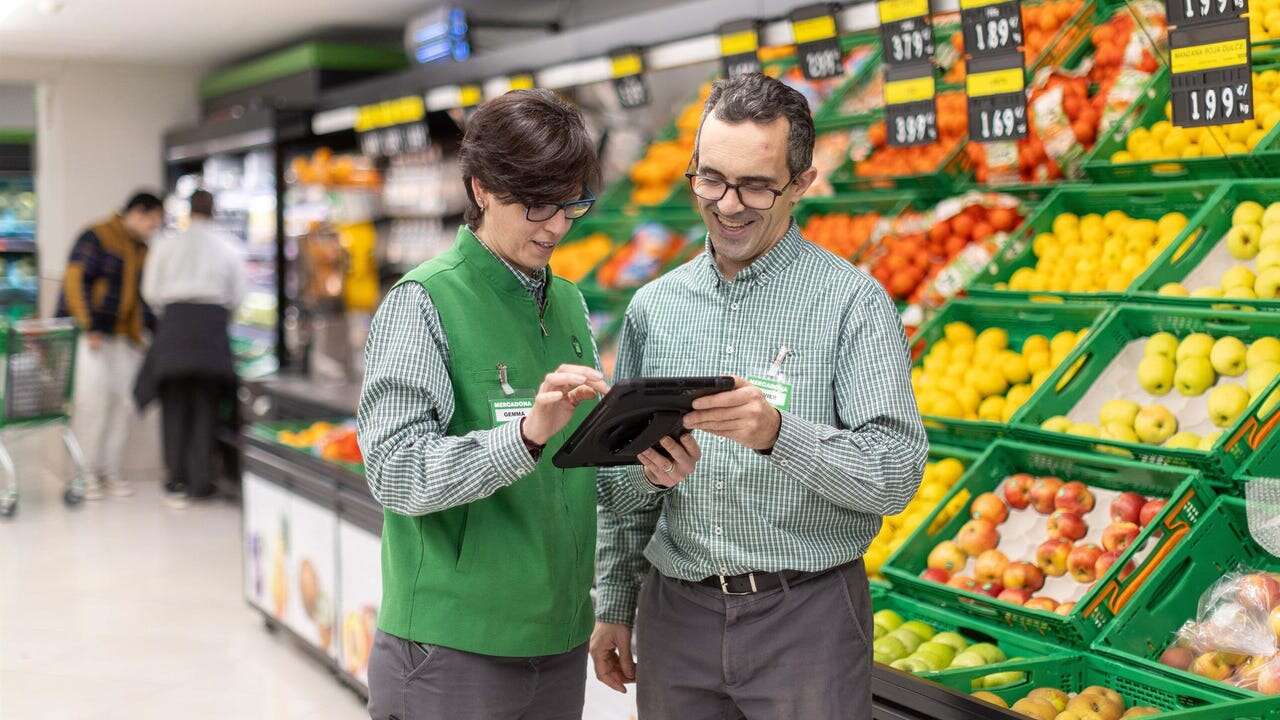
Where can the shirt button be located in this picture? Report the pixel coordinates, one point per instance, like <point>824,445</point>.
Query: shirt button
<point>719,485</point>
<point>729,350</point>
<point>733,306</point>
<point>719,530</point>
<point>724,569</point>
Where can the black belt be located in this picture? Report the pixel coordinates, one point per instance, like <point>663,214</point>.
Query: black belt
<point>757,582</point>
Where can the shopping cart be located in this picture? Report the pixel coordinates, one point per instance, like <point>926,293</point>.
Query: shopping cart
<point>39,375</point>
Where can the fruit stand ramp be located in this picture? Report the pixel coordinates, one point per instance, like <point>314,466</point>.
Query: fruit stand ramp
<point>1187,497</point>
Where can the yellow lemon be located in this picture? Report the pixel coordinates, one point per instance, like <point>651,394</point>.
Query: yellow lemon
<point>1114,220</point>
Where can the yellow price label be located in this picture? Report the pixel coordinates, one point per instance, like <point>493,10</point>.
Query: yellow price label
<point>1210,57</point>
<point>469,95</point>
<point>813,29</point>
<point>900,92</point>
<point>625,65</point>
<point>895,10</point>
<point>521,82</point>
<point>739,43</point>
<point>975,4</point>
<point>995,82</point>
<point>387,113</point>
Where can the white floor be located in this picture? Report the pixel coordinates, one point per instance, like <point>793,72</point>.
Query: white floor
<point>126,609</point>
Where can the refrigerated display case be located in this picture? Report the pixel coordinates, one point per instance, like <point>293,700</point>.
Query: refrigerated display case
<point>19,279</point>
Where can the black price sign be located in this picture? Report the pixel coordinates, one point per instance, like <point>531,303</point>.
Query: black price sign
<point>739,43</point>
<point>991,28</point>
<point>906,32</point>
<point>392,127</point>
<point>627,67</point>
<point>813,28</point>
<point>910,110</point>
<point>1195,12</point>
<point>1211,83</point>
<point>996,87</point>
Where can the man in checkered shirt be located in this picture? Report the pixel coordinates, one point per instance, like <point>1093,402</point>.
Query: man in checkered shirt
<point>756,605</point>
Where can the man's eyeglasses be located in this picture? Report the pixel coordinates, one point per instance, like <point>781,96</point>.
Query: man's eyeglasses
<point>752,195</point>
<point>573,209</point>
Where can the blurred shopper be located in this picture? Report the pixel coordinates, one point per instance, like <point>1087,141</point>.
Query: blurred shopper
<point>754,602</point>
<point>475,364</point>
<point>101,292</point>
<point>194,279</point>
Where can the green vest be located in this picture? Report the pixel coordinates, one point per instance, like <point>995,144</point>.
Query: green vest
<point>508,575</point>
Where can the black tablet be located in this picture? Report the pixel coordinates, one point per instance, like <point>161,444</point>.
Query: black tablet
<point>633,417</point>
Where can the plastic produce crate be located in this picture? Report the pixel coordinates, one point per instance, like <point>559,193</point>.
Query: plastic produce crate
<point>1188,497</point>
<point>1213,223</point>
<point>1138,201</point>
<point>1072,380</point>
<point>888,204</point>
<point>1021,320</point>
<point>1218,545</point>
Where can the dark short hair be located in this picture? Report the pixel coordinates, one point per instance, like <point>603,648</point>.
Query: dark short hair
<point>529,146</point>
<point>202,203</point>
<point>758,98</point>
<point>143,202</point>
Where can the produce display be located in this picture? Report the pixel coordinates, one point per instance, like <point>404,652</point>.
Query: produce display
<point>329,441</point>
<point>1041,23</point>
<point>1245,262</point>
<point>938,478</point>
<point>573,261</point>
<point>652,246</point>
<point>886,161</point>
<point>915,646</point>
<point>841,233</point>
<point>1047,703</point>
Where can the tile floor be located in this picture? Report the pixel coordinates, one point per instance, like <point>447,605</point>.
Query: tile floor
<point>124,608</point>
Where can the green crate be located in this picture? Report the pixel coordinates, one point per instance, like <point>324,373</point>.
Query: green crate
<point>1218,545</point>
<point>1021,320</point>
<point>1213,223</point>
<point>1138,201</point>
<point>1072,379</point>
<point>887,204</point>
<point>1188,497</point>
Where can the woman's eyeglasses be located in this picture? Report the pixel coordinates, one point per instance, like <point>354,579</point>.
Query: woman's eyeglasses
<point>573,209</point>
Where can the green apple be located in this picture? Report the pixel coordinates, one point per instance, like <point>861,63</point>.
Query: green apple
<point>903,664</point>
<point>1119,431</point>
<point>1262,351</point>
<point>1270,257</point>
<point>1267,286</point>
<point>1226,403</point>
<point>1228,356</point>
<point>1248,212</point>
<point>1173,289</point>
<point>909,640</point>
<point>1194,345</point>
<point>1237,277</point>
<point>922,630</point>
<point>995,680</point>
<point>955,640</point>
<point>1057,423</point>
<point>1242,241</point>
<point>1119,410</point>
<point>1185,440</point>
<point>1271,216</point>
<point>1162,343</point>
<point>1208,441</point>
<point>1194,376</point>
<point>1085,430</point>
<point>1155,374</point>
<point>1270,237</point>
<point>1260,376</point>
<point>937,655</point>
<point>888,649</point>
<point>989,652</point>
<point>1208,291</point>
<point>1237,292</point>
<point>1155,424</point>
<point>890,619</point>
<point>878,631</point>
<point>969,659</point>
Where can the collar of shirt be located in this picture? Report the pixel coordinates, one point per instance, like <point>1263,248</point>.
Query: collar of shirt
<point>536,284</point>
<point>778,257</point>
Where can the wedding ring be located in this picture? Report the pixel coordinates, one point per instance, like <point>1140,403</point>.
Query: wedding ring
<point>668,469</point>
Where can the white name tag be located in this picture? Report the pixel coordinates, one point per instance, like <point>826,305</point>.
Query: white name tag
<point>777,392</point>
<point>504,411</point>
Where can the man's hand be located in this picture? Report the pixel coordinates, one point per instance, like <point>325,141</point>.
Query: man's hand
<point>611,652</point>
<point>95,340</point>
<point>559,395</point>
<point>677,464</point>
<point>742,415</point>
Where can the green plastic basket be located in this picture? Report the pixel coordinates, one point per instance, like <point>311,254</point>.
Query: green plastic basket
<point>1138,201</point>
<point>887,204</point>
<point>1213,223</point>
<point>1072,379</point>
<point>1021,320</point>
<point>1218,545</point>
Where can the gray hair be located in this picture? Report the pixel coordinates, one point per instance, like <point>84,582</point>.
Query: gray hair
<point>758,98</point>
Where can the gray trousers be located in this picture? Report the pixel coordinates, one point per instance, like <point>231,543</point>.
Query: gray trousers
<point>408,681</point>
<point>798,653</point>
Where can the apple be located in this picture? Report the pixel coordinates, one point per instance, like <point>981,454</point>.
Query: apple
<point>1226,403</point>
<point>1017,490</point>
<point>1193,376</point>
<point>1106,692</point>
<point>1082,561</point>
<point>1074,497</point>
<point>968,659</point>
<point>963,582</point>
<point>922,630</point>
<point>1042,603</point>
<point>990,697</point>
<point>1194,345</point>
<point>1273,619</point>
<point>1155,424</point>
<point>1269,678</point>
<point>1260,376</point>
<point>889,618</point>
<point>1209,441</point>
<point>1263,350</point>
<point>1037,709</point>
<point>909,640</point>
<point>988,652</point>
<point>1043,491</point>
<point>1259,590</point>
<point>1212,665</point>
<point>1065,609</point>
<point>1271,216</point>
<point>936,655</point>
<point>1243,241</point>
<point>991,589</point>
<point>1106,560</point>
<point>990,566</point>
<point>977,536</point>
<point>1228,356</point>
<point>1183,440</point>
<point>1119,411</point>
<point>1116,431</point>
<point>1119,535</point>
<point>1156,373</point>
<point>1017,597</point>
<point>1267,285</point>
<point>1150,511</point>
<point>1023,575</point>
<point>1092,704</point>
<point>1127,506</point>
<point>1140,712</point>
<point>953,639</point>
<point>1055,697</point>
<point>1240,291</point>
<point>1209,291</point>
<point>1178,656</point>
<point>1065,525</point>
<point>1173,289</point>
<point>1163,344</point>
<point>1248,212</point>
<point>947,556</point>
<point>936,575</point>
<point>1270,256</point>
<point>1051,557</point>
<point>909,664</point>
<point>1239,276</point>
<point>1085,430</point>
<point>988,506</point>
<point>887,649</point>
<point>1057,423</point>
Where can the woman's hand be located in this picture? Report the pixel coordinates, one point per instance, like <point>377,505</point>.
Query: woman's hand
<point>559,395</point>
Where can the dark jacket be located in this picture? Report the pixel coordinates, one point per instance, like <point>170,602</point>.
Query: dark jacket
<point>191,343</point>
<point>101,287</point>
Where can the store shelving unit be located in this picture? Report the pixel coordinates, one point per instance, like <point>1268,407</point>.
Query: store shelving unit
<point>19,283</point>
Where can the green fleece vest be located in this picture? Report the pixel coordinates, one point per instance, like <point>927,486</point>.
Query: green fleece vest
<point>510,574</point>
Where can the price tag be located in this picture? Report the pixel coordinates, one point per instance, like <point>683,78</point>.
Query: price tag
<point>1211,82</point>
<point>813,27</point>
<point>910,110</point>
<point>739,43</point>
<point>392,127</point>
<point>996,87</point>
<point>906,32</point>
<point>627,66</point>
<point>991,28</point>
<point>521,81</point>
<point>470,95</point>
<point>1195,12</point>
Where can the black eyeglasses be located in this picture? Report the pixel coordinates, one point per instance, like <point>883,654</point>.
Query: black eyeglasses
<point>752,195</point>
<point>573,209</point>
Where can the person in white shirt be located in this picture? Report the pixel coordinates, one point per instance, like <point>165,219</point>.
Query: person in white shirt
<point>194,280</point>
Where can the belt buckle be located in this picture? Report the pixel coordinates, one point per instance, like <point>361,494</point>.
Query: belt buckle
<point>724,585</point>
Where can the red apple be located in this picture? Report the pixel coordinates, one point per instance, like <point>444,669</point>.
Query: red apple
<point>991,588</point>
<point>1178,656</point>
<point>1017,490</point>
<point>1258,590</point>
<point>936,575</point>
<point>1065,608</point>
<point>990,566</point>
<point>1042,603</point>
<point>1106,560</point>
<point>1269,677</point>
<point>1017,597</point>
<point>1074,497</point>
<point>1051,557</point>
<point>1274,620</point>
<point>1082,561</point>
<point>1023,575</point>
<point>963,582</point>
<point>1212,665</point>
<point>947,556</point>
<point>1043,491</point>
<point>989,507</point>
<point>978,536</point>
<point>1064,525</point>
<point>1119,535</point>
<point>1149,511</point>
<point>1127,507</point>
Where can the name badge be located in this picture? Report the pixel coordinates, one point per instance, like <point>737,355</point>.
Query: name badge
<point>507,410</point>
<point>777,392</point>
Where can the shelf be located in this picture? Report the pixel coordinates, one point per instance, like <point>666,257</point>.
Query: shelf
<point>17,245</point>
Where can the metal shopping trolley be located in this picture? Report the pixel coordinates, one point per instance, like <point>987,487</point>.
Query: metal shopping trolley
<point>39,376</point>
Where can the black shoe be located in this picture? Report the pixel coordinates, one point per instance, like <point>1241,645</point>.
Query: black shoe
<point>174,487</point>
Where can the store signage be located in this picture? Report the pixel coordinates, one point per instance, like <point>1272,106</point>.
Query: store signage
<point>469,95</point>
<point>521,81</point>
<point>906,32</point>
<point>991,28</point>
<point>910,108</point>
<point>1211,81</point>
<point>996,87</point>
<point>813,28</point>
<point>392,127</point>
<point>739,43</point>
<point>1195,12</point>
<point>627,68</point>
